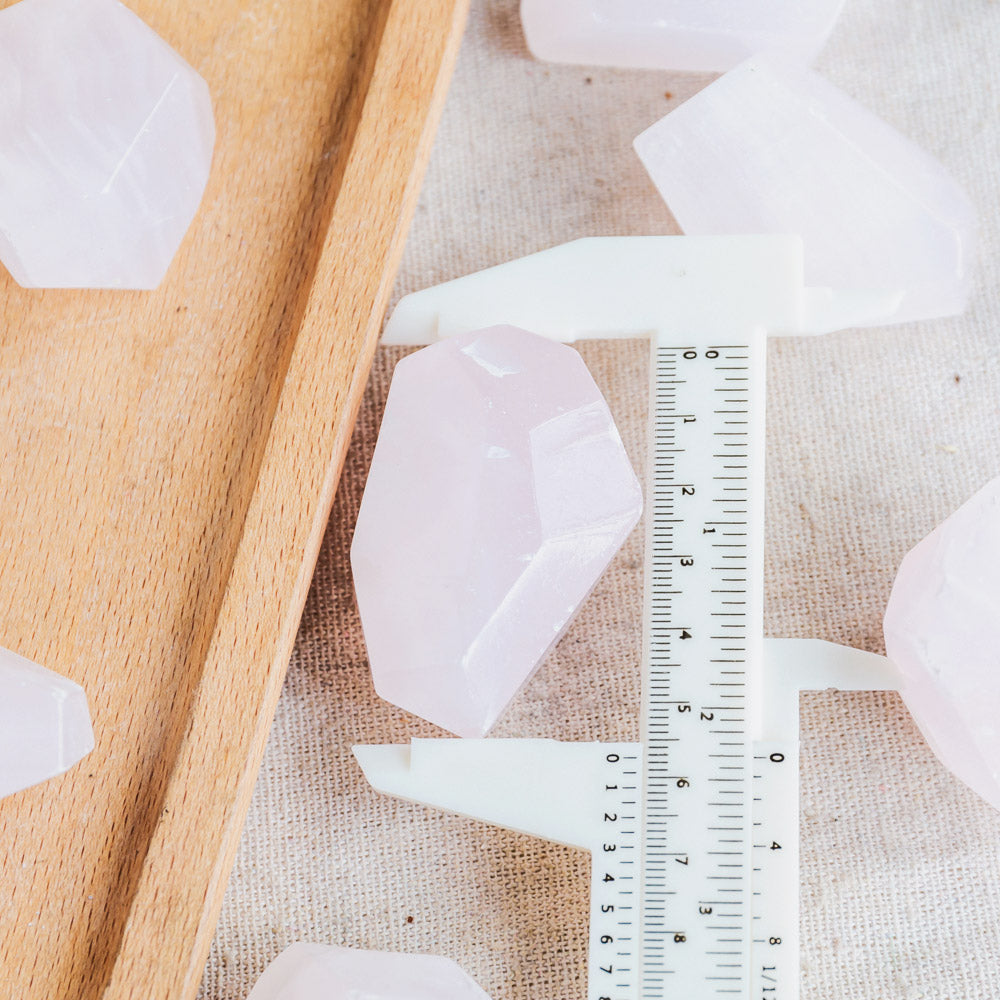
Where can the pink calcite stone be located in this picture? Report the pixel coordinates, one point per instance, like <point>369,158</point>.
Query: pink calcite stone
<point>106,138</point>
<point>942,630</point>
<point>773,148</point>
<point>44,723</point>
<point>322,972</point>
<point>499,490</point>
<point>704,35</point>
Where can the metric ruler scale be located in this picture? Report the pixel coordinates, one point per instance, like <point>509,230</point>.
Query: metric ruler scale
<point>704,811</point>
<point>703,634</point>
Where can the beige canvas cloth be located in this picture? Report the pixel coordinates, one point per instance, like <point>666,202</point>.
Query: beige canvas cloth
<point>873,437</point>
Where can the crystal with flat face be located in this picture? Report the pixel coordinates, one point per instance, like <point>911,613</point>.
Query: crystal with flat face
<point>499,491</point>
<point>44,723</point>
<point>773,148</point>
<point>106,138</point>
<point>942,630</point>
<point>703,35</point>
<point>322,972</point>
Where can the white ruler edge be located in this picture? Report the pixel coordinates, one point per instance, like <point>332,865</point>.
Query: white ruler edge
<point>673,287</point>
<point>681,291</point>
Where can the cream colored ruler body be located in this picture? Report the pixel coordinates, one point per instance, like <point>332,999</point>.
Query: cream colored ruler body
<point>693,830</point>
<point>702,672</point>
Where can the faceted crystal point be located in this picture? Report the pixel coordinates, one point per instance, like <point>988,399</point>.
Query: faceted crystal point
<point>44,723</point>
<point>322,972</point>
<point>499,491</point>
<point>675,34</point>
<point>771,148</point>
<point>942,629</point>
<point>106,139</point>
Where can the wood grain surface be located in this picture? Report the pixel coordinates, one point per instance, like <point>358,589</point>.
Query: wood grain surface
<point>169,461</point>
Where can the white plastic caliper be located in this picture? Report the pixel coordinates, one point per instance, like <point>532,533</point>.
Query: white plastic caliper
<point>694,830</point>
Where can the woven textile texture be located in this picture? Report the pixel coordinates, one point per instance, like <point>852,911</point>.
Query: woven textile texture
<point>873,438</point>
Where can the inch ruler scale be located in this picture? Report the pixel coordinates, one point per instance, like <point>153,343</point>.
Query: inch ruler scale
<point>693,831</point>
<point>704,636</point>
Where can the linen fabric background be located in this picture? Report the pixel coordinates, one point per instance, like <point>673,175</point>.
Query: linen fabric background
<point>874,437</point>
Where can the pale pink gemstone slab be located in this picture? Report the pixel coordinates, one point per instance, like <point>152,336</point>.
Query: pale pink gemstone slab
<point>322,972</point>
<point>106,139</point>
<point>44,723</point>
<point>773,148</point>
<point>499,491</point>
<point>942,630</point>
<point>703,35</point>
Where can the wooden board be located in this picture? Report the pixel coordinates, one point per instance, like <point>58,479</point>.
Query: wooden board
<point>168,463</point>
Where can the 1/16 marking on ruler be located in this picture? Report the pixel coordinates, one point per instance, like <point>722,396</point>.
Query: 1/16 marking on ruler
<point>702,618</point>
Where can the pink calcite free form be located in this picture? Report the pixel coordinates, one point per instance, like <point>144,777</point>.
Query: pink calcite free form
<point>322,972</point>
<point>942,630</point>
<point>773,148</point>
<point>106,139</point>
<point>499,491</point>
<point>44,723</point>
<point>706,35</point>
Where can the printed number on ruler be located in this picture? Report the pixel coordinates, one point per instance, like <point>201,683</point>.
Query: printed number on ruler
<point>696,878</point>
<point>614,894</point>
<point>775,870</point>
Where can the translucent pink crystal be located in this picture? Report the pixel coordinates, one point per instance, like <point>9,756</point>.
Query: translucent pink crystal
<point>942,629</point>
<point>106,139</point>
<point>771,148</point>
<point>675,34</point>
<point>44,723</point>
<point>322,972</point>
<point>499,491</point>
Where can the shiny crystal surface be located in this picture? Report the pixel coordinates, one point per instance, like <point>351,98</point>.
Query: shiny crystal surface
<point>942,630</point>
<point>44,723</point>
<point>675,34</point>
<point>774,148</point>
<point>499,490</point>
<point>106,138</point>
<point>322,972</point>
